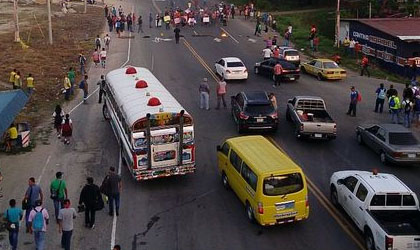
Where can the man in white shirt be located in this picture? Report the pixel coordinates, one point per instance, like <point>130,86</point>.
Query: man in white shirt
<point>65,223</point>
<point>351,46</point>
<point>38,220</point>
<point>267,53</point>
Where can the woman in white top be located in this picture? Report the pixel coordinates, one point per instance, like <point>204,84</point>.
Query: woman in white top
<point>102,55</point>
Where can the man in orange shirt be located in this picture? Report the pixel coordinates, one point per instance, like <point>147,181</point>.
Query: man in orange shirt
<point>278,70</point>
<point>365,65</point>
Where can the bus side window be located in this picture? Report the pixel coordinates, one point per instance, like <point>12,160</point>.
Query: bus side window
<point>249,176</point>
<point>235,161</point>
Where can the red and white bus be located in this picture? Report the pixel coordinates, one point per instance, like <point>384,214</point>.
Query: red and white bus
<point>155,132</point>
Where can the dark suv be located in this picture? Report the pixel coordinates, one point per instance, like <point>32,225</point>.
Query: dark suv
<point>253,110</point>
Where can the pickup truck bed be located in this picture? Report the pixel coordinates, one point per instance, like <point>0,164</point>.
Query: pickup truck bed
<point>398,222</point>
<point>318,116</point>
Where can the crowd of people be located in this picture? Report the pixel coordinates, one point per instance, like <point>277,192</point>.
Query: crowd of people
<point>16,80</point>
<point>36,216</point>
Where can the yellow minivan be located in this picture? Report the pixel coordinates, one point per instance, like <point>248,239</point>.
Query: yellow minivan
<point>270,185</point>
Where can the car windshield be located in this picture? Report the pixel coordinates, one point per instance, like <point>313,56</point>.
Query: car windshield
<point>234,64</point>
<point>283,184</point>
<point>402,139</point>
<point>330,65</point>
<point>291,53</point>
<point>256,109</point>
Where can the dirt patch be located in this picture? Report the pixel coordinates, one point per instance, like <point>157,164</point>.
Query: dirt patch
<point>72,34</point>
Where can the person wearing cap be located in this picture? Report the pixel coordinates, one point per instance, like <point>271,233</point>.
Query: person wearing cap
<point>204,90</point>
<point>58,190</point>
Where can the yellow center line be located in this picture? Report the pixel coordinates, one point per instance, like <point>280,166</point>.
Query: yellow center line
<point>331,209</point>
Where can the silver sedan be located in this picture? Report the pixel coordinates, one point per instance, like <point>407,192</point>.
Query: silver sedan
<point>393,142</point>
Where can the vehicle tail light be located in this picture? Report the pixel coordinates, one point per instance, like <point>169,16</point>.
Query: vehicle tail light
<point>389,242</point>
<point>301,127</point>
<point>343,72</point>
<point>245,70</point>
<point>260,208</point>
<point>330,72</point>
<point>335,128</point>
<point>274,115</point>
<point>134,160</point>
<point>397,154</point>
<point>243,116</point>
<point>228,71</point>
<point>307,202</point>
<point>297,70</point>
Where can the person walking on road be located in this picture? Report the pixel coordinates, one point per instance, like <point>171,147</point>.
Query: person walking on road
<point>407,107</point>
<point>390,92</point>
<point>98,43</point>
<point>58,191</point>
<point>72,76</point>
<point>365,66</point>
<point>90,197</point>
<point>221,92</point>
<point>85,87</point>
<point>30,83</point>
<point>266,53</point>
<point>107,41</point>
<point>82,63</point>
<point>354,97</point>
<point>38,221</point>
<point>278,71</point>
<point>394,106</point>
<point>58,119</point>
<point>101,84</point>
<point>380,98</point>
<point>66,217</point>
<point>114,187</point>
<point>67,129</point>
<point>177,31</point>
<point>102,56</point>
<point>13,216</point>
<point>140,25</point>
<point>32,194</point>
<point>273,100</point>
<point>95,57</point>
<point>67,88</point>
<point>204,91</point>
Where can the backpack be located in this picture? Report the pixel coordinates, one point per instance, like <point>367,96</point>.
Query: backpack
<point>407,106</point>
<point>38,221</point>
<point>392,102</point>
<point>98,42</point>
<point>381,94</point>
<point>359,97</point>
<point>82,84</point>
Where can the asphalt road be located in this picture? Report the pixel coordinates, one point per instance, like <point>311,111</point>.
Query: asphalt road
<point>195,211</point>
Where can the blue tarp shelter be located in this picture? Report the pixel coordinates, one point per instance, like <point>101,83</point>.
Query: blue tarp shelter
<point>11,103</point>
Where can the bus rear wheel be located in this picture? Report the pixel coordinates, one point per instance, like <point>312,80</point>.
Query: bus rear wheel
<point>105,112</point>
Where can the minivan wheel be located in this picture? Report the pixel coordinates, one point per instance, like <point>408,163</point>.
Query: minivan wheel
<point>250,213</point>
<point>383,157</point>
<point>334,196</point>
<point>369,241</point>
<point>225,181</point>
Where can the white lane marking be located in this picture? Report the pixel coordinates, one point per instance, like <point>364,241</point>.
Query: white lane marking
<point>252,40</point>
<point>80,103</point>
<point>195,33</point>
<point>43,169</point>
<point>229,35</point>
<point>153,62</point>
<point>217,40</point>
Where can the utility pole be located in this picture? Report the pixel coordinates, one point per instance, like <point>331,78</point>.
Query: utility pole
<point>16,18</point>
<point>370,9</point>
<point>50,39</point>
<point>337,26</point>
<point>85,11</point>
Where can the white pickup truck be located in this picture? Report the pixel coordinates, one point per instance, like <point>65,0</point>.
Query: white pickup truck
<point>311,118</point>
<point>382,207</point>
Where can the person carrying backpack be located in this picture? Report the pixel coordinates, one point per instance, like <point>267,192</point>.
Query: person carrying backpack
<point>98,43</point>
<point>407,107</point>
<point>13,215</point>
<point>380,98</point>
<point>67,129</point>
<point>394,106</point>
<point>85,87</point>
<point>38,221</point>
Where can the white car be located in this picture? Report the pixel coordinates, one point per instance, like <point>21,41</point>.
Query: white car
<point>231,68</point>
<point>384,209</point>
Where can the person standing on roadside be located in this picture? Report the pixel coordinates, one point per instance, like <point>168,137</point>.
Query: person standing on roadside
<point>177,31</point>
<point>354,96</point>
<point>58,191</point>
<point>30,83</point>
<point>18,81</point>
<point>67,88</point>
<point>32,194</point>
<point>66,217</point>
<point>101,84</point>
<point>12,77</point>
<point>204,91</point>
<point>72,77</point>
<point>38,221</point>
<point>278,71</point>
<point>113,184</point>
<point>140,25</point>
<point>13,216</point>
<point>90,197</point>
<point>394,106</point>
<point>221,92</point>
<point>96,58</point>
<point>365,66</point>
<point>82,63</point>
<point>380,98</point>
<point>67,129</point>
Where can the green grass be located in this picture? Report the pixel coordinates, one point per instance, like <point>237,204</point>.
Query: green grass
<point>325,23</point>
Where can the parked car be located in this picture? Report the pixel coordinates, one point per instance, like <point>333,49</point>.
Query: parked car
<point>393,142</point>
<point>290,55</point>
<point>311,119</point>
<point>231,68</point>
<point>381,206</point>
<point>324,69</point>
<point>266,67</point>
<point>253,110</point>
